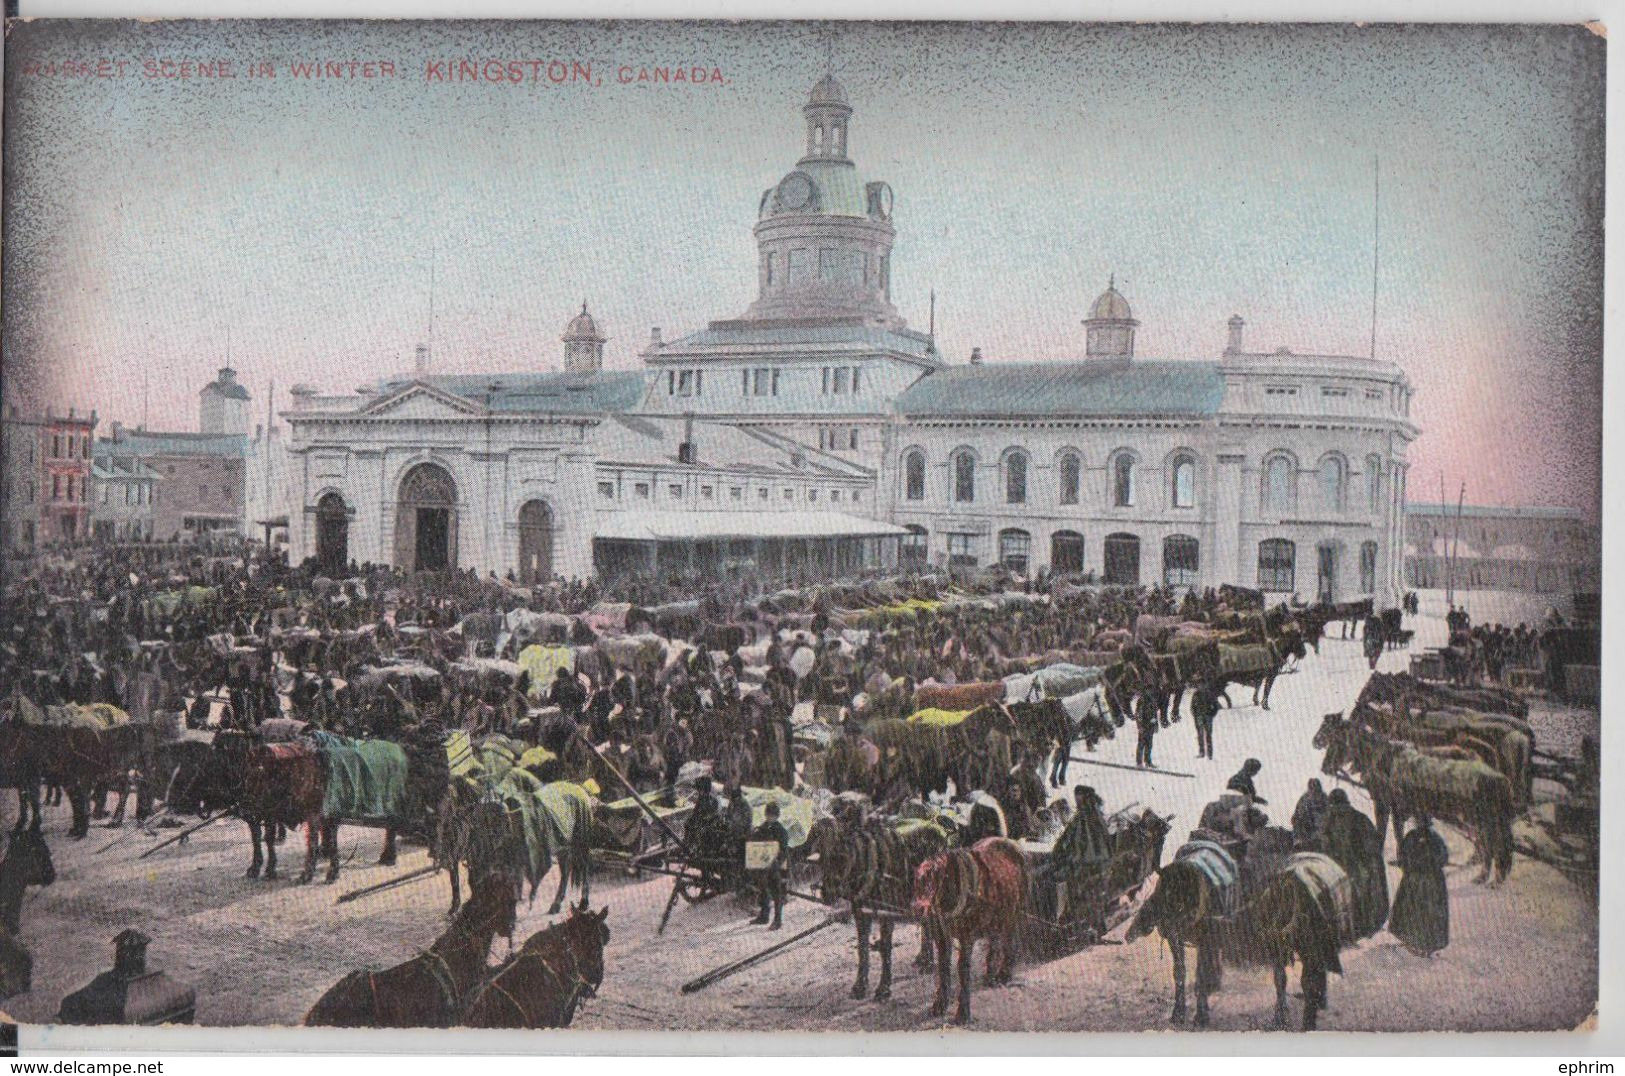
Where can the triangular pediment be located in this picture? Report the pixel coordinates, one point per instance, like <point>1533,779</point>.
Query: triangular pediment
<point>419,399</point>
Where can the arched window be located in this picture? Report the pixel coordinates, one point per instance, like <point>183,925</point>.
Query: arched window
<point>1182,492</point>
<point>1373,483</point>
<point>1066,553</point>
<point>912,552</point>
<point>1277,565</point>
<point>914,475</point>
<point>1368,567</point>
<point>1121,566</point>
<point>1071,477</point>
<point>1332,474</point>
<point>1015,550</point>
<point>1181,560</point>
<point>1122,480</point>
<point>964,476</point>
<point>1280,493</point>
<point>1015,478</point>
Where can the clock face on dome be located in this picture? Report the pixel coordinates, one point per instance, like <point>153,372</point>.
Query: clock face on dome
<point>795,191</point>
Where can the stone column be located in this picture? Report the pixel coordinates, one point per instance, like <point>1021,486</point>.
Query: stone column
<point>1223,563</point>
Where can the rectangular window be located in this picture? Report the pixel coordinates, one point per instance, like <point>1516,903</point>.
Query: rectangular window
<point>56,487</point>
<point>761,493</point>
<point>675,489</point>
<point>688,382</point>
<point>737,493</point>
<point>1280,390</point>
<point>744,382</point>
<point>843,380</point>
<point>962,550</point>
<point>641,491</point>
<point>1328,391</point>
<point>1368,567</point>
<point>775,383</point>
<point>671,383</point>
<point>606,490</point>
<point>768,260</point>
<point>706,493</point>
<point>812,496</point>
<point>796,268</point>
<point>856,496</point>
<point>826,381</point>
<point>835,495</point>
<point>852,440</point>
<point>56,446</point>
<point>1373,394</point>
<point>789,494</point>
<point>855,372</point>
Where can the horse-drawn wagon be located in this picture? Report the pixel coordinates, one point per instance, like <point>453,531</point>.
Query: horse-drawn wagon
<point>1075,900</point>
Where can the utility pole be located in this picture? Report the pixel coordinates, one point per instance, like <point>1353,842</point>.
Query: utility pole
<point>1376,236</point>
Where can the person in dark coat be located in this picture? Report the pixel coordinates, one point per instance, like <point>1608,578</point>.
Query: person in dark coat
<point>770,883</point>
<point>1353,843</point>
<point>1421,916</point>
<point>1243,781</point>
<point>1145,720</point>
<point>1308,815</point>
<point>567,693</point>
<point>1374,641</point>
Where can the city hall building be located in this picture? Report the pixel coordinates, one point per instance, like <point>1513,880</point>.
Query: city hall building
<point>815,432</point>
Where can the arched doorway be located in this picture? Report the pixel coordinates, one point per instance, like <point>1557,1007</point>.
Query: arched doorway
<point>332,536</point>
<point>1066,553</point>
<point>426,520</point>
<point>535,542</point>
<point>1122,567</point>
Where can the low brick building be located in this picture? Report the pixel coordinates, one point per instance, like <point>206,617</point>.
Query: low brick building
<point>200,479</point>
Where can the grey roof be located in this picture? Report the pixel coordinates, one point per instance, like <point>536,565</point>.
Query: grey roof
<point>143,443</point>
<point>651,441</point>
<point>229,389</point>
<point>744,334</point>
<point>1088,387</point>
<point>1491,511</point>
<point>551,392</point>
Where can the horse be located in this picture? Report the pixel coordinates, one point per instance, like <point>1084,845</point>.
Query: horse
<point>429,989</point>
<point>964,894</point>
<point>1274,908</point>
<point>1404,782</point>
<point>518,824</point>
<point>1258,671</point>
<point>546,981</point>
<point>27,862</point>
<point>80,759</point>
<point>870,863</point>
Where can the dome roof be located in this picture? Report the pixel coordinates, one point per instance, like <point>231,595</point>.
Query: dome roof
<point>1111,306</point>
<point>827,92</point>
<point>582,326</point>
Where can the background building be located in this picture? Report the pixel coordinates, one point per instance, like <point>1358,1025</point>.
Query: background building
<point>201,487</point>
<point>818,417</point>
<point>1545,550</point>
<point>124,497</point>
<point>45,492</point>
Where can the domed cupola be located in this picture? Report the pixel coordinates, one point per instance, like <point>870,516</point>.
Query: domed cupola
<point>583,344</point>
<point>1110,326</point>
<point>824,234</point>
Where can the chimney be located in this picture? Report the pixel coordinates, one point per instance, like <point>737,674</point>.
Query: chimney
<point>976,356</point>
<point>687,451</point>
<point>654,339</point>
<point>420,363</point>
<point>1234,346</point>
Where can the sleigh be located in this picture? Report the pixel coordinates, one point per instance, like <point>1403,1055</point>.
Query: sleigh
<point>1080,909</point>
<point>624,834</point>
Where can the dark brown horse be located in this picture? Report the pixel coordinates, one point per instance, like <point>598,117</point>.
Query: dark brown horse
<point>965,894</point>
<point>1272,909</point>
<point>548,979</point>
<point>80,760</point>
<point>870,863</point>
<point>1405,781</point>
<point>429,989</point>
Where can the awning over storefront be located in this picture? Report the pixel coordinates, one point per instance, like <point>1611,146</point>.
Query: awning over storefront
<point>709,526</point>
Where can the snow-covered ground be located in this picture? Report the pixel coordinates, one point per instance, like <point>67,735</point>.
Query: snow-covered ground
<point>1522,957</point>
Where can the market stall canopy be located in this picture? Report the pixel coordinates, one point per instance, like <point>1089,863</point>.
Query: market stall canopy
<point>703,526</point>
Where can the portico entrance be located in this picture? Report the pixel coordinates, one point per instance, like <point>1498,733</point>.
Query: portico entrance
<point>426,520</point>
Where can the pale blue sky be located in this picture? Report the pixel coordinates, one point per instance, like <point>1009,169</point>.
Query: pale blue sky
<point>1215,170</point>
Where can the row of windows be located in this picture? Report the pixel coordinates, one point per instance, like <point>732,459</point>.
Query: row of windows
<point>840,380</point>
<point>849,268</point>
<point>78,447</point>
<point>1181,558</point>
<point>838,438</point>
<point>676,491</point>
<point>134,493</point>
<point>1278,567</point>
<point>1279,490</point>
<point>1327,392</point>
<point>764,381</point>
